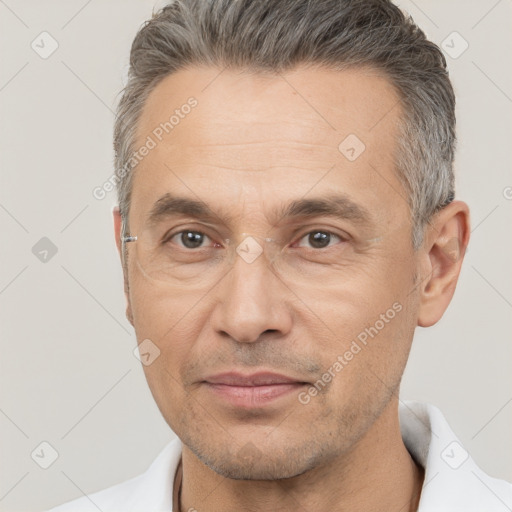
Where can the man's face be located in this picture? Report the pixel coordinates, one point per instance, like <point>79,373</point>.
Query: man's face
<point>334,313</point>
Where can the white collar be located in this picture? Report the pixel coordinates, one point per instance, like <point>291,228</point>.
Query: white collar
<point>453,482</point>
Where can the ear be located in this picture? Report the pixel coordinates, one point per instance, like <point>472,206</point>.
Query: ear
<point>118,226</point>
<point>118,230</point>
<point>446,240</point>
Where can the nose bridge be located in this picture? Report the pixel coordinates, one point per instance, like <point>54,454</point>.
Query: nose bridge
<point>251,300</point>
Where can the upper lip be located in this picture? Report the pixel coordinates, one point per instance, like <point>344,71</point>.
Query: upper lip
<point>254,379</point>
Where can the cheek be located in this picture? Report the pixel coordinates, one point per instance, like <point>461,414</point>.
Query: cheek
<point>172,320</point>
<point>366,325</point>
<point>355,299</point>
<point>161,312</point>
<point>363,371</point>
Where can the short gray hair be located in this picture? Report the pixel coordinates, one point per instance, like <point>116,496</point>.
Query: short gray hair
<point>278,35</point>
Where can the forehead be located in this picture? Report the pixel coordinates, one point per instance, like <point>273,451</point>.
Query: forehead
<point>243,137</point>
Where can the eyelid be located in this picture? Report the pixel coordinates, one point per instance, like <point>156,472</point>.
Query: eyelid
<point>340,238</point>
<point>296,236</point>
<point>311,229</point>
<point>180,229</point>
<point>167,238</point>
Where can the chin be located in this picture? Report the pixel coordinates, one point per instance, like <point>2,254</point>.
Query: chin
<point>249,463</point>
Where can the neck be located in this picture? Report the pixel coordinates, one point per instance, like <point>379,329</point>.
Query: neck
<point>377,475</point>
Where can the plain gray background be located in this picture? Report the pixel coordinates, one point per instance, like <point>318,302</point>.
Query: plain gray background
<point>68,373</point>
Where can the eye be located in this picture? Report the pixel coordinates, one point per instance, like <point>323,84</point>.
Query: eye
<point>319,239</point>
<point>189,239</point>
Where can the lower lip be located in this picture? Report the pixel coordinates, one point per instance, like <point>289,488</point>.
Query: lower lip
<point>253,396</point>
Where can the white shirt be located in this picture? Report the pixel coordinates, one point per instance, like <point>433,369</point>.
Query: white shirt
<point>453,482</point>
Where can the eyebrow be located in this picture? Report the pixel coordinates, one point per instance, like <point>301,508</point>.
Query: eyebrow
<point>337,206</point>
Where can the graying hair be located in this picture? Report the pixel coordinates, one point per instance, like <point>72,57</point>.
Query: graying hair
<point>278,35</point>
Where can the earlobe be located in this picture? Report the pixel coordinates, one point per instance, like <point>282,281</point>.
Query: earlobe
<point>445,245</point>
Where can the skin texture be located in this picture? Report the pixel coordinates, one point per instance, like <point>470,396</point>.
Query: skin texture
<point>254,143</point>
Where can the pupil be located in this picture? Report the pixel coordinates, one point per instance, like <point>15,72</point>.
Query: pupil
<point>319,239</point>
<point>191,239</point>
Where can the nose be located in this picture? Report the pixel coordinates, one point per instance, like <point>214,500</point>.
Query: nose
<point>251,301</point>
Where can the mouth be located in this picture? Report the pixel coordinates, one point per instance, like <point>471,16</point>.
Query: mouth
<point>251,391</point>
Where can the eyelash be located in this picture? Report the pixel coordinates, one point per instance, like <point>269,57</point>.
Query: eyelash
<point>341,238</point>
